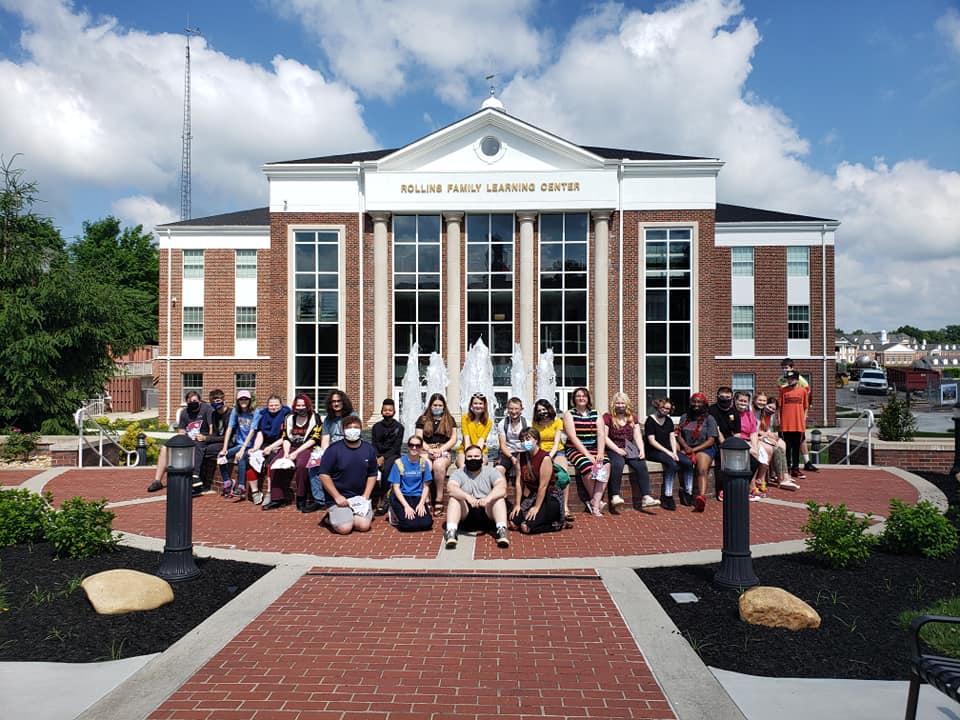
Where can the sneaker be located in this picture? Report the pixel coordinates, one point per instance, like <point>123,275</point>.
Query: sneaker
<point>450,538</point>
<point>257,497</point>
<point>668,503</point>
<point>502,539</point>
<point>699,503</point>
<point>227,484</point>
<point>788,485</point>
<point>753,497</point>
<point>154,486</point>
<point>616,501</point>
<point>649,502</point>
<point>238,491</point>
<point>796,475</point>
<point>810,467</point>
<point>762,487</point>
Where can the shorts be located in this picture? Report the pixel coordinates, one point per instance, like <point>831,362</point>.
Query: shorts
<point>344,515</point>
<point>476,519</point>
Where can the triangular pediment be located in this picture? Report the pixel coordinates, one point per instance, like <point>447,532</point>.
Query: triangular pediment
<point>490,141</point>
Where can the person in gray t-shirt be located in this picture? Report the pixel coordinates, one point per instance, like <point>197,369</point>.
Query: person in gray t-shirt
<point>476,493</point>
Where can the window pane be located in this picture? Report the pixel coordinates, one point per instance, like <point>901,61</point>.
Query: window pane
<point>327,372</point>
<point>329,310</point>
<point>551,338</point>
<point>501,228</point>
<point>502,339</point>
<point>551,257</point>
<point>501,258</point>
<point>501,305</point>
<point>405,307</point>
<point>305,256</point>
<point>656,305</point>
<point>576,280</point>
<point>306,342</point>
<point>551,227</point>
<point>404,228</point>
<point>478,228</point>
<point>429,307</point>
<point>679,256</point>
<point>429,258</point>
<point>575,306</point>
<point>403,338</point>
<point>656,337</point>
<point>656,371</point>
<point>327,339</point>
<point>576,256</point>
<point>575,372</point>
<point>679,370</point>
<point>477,258</point>
<point>428,228</point>
<point>551,281</point>
<point>680,338</point>
<point>429,281</point>
<point>576,226</point>
<point>478,306</point>
<point>680,305</point>
<point>327,258</point>
<point>305,372</point>
<point>405,258</point>
<point>575,339</point>
<point>656,256</point>
<point>429,338</point>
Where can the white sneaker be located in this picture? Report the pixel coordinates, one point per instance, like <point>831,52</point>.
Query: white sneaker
<point>616,501</point>
<point>649,501</point>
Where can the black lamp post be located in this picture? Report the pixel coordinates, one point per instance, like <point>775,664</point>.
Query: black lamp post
<point>956,438</point>
<point>176,563</point>
<point>816,442</point>
<point>736,566</point>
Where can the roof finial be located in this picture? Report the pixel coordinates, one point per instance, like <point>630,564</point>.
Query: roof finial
<point>492,101</point>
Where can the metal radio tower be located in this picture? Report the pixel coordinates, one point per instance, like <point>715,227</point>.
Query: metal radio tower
<point>185,210</point>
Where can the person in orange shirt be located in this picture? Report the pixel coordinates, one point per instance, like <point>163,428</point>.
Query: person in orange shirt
<point>794,403</point>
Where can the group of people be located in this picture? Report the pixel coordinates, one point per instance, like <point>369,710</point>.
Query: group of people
<point>283,453</point>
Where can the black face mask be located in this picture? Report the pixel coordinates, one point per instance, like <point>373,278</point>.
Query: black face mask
<point>193,406</point>
<point>303,412</point>
<point>473,465</point>
<point>724,403</point>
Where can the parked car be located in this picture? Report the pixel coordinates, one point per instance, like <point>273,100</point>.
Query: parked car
<point>873,381</point>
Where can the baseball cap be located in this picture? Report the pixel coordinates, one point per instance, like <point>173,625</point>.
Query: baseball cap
<point>243,394</point>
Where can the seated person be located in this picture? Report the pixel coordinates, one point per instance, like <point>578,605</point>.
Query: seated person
<point>508,433</point>
<point>477,495</point>
<point>348,472</point>
<point>475,426</point>
<point>236,442</point>
<point>410,480</point>
<point>539,503</point>
<point>193,420</point>
<point>219,417</point>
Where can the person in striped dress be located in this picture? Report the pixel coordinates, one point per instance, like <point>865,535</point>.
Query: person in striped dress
<point>586,440</point>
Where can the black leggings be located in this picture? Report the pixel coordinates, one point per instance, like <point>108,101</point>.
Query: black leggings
<point>793,441</point>
<point>639,477</point>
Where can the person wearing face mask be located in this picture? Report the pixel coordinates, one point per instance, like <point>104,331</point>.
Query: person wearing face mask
<point>477,495</point>
<point>771,442</point>
<point>194,420</point>
<point>268,440</point>
<point>749,432</point>
<point>661,447</point>
<point>348,472</point>
<point>550,427</point>
<point>538,505</point>
<point>625,447</point>
<point>301,432</point>
<point>213,440</point>
<point>697,439</point>
<point>438,430</point>
<point>728,425</point>
<point>236,441</point>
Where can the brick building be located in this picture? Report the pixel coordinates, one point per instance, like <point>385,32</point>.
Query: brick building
<point>620,261</point>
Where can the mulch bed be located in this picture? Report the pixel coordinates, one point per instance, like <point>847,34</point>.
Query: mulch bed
<point>39,621</point>
<point>859,636</point>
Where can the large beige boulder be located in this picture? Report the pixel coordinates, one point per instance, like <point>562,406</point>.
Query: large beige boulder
<point>115,592</point>
<point>775,607</point>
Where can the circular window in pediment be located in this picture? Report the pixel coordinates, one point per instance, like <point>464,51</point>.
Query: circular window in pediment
<point>489,148</point>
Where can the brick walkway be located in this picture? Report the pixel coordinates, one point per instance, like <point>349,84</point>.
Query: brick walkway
<point>428,647</point>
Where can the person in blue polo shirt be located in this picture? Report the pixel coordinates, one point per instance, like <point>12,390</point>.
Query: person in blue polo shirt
<point>409,478</point>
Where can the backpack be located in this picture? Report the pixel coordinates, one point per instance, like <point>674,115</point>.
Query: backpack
<point>400,467</point>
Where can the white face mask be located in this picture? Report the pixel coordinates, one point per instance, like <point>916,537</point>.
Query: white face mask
<point>352,434</point>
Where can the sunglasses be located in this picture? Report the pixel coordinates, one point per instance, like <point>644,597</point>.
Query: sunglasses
<point>414,445</point>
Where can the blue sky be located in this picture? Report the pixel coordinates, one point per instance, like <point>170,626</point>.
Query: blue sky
<point>840,109</point>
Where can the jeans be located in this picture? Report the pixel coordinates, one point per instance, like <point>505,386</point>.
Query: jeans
<point>316,487</point>
<point>670,467</point>
<point>639,477</point>
<point>241,467</point>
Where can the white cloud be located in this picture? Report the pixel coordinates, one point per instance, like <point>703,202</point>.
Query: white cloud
<point>145,211</point>
<point>385,48</point>
<point>673,81</point>
<point>948,25</point>
<point>97,104</point>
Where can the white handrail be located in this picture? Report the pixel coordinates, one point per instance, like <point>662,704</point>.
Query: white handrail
<point>80,418</point>
<point>845,435</point>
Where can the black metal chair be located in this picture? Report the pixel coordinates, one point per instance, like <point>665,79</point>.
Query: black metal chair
<point>938,671</point>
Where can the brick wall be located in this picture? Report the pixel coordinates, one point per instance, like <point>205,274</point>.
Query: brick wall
<point>915,457</point>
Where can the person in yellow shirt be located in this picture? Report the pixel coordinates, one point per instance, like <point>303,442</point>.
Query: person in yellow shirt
<point>475,426</point>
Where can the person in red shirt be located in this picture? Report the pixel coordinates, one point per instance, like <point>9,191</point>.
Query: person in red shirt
<point>794,403</point>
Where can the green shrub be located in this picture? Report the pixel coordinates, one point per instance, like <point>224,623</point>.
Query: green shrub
<point>23,516</point>
<point>18,445</point>
<point>941,637</point>
<point>839,537</point>
<point>81,528</point>
<point>896,422</point>
<point>918,530</point>
<point>128,441</point>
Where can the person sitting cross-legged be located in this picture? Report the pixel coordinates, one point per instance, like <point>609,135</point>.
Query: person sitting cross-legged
<point>476,495</point>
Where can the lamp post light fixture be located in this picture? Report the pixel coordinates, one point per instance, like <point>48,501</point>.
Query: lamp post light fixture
<point>816,443</point>
<point>176,562</point>
<point>736,565</point>
<point>956,438</point>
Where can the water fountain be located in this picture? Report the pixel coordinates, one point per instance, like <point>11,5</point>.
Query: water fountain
<point>411,404</point>
<point>437,378</point>
<point>477,377</point>
<point>518,380</point>
<point>547,379</point>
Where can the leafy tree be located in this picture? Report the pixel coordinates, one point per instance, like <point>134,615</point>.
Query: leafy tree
<point>59,320</point>
<point>125,258</point>
<point>916,333</point>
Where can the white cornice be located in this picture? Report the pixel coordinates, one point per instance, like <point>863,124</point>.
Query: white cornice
<point>672,168</point>
<point>310,171</point>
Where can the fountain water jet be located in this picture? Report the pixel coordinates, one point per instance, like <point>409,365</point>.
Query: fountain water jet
<point>477,377</point>
<point>411,404</point>
<point>518,380</point>
<point>437,378</point>
<point>547,379</point>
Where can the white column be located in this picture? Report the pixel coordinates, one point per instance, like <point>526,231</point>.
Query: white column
<point>382,355</point>
<point>527,319</point>
<point>601,321</point>
<point>454,266</point>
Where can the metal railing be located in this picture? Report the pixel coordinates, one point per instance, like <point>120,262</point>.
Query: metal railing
<point>92,435</point>
<point>845,436</point>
